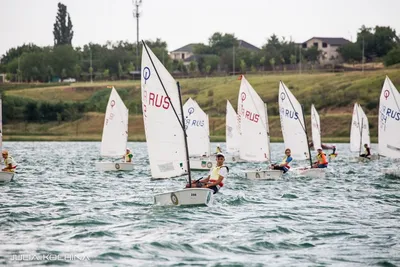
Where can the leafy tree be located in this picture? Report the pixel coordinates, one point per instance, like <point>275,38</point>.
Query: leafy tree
<point>120,70</point>
<point>393,57</point>
<point>272,62</point>
<point>243,66</point>
<point>351,52</point>
<point>62,31</point>
<point>106,73</point>
<point>312,54</point>
<point>193,66</point>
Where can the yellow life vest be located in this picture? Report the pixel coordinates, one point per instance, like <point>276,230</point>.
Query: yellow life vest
<point>215,174</point>
<point>127,158</point>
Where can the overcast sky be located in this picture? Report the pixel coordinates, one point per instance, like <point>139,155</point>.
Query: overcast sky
<point>179,22</point>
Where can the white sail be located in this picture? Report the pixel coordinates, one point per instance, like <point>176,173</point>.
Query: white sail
<point>315,128</point>
<point>162,118</point>
<point>292,124</point>
<point>197,129</point>
<point>232,131</point>
<point>251,112</point>
<point>365,138</point>
<point>359,132</point>
<point>1,124</point>
<point>355,133</point>
<point>115,129</point>
<point>389,121</point>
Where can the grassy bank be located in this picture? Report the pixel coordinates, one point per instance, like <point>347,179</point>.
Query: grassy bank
<point>333,95</point>
<point>335,128</point>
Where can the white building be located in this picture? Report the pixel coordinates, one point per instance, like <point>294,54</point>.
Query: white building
<point>328,46</point>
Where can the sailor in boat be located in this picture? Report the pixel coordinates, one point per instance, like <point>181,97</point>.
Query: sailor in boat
<point>9,162</point>
<point>284,165</point>
<point>333,154</point>
<point>219,150</point>
<point>215,177</point>
<point>367,152</point>
<point>324,146</point>
<point>321,160</point>
<point>128,155</point>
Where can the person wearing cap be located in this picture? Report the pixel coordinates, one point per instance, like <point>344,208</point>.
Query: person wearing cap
<point>128,155</point>
<point>216,176</point>
<point>284,165</point>
<point>367,152</point>
<point>9,162</point>
<point>321,160</point>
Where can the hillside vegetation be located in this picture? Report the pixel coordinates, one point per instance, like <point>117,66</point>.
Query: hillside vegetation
<point>332,94</point>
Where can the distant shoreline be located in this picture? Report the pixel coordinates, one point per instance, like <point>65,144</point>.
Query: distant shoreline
<point>91,138</point>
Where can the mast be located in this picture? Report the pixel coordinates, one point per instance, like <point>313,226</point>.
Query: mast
<point>305,130</point>
<point>184,135</point>
<point>361,134</point>
<point>267,129</point>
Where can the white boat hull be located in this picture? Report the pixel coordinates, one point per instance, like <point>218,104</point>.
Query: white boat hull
<point>6,176</point>
<point>391,171</point>
<point>201,164</point>
<point>185,197</point>
<point>310,172</point>
<point>114,166</point>
<point>263,174</point>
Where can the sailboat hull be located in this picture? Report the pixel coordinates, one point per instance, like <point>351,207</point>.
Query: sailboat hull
<point>185,197</point>
<point>114,166</point>
<point>6,176</point>
<point>310,172</point>
<point>201,164</point>
<point>263,174</point>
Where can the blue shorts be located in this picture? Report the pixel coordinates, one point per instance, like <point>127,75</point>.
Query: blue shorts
<point>322,165</point>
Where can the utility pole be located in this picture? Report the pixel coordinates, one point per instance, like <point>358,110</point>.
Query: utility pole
<point>19,71</point>
<point>363,56</point>
<point>91,68</point>
<point>300,59</point>
<point>233,54</point>
<point>136,15</point>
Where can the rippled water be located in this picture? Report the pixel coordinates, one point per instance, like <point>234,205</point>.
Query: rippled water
<point>60,206</point>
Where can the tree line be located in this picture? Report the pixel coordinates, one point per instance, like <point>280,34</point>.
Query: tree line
<point>117,60</point>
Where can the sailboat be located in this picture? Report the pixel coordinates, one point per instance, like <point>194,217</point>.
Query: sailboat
<point>254,131</point>
<point>359,132</point>
<point>232,134</point>
<point>294,131</point>
<point>115,134</point>
<point>198,136</point>
<point>4,176</point>
<point>165,132</point>
<point>389,125</point>
<point>316,133</point>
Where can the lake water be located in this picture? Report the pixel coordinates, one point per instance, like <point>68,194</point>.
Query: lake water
<point>61,211</point>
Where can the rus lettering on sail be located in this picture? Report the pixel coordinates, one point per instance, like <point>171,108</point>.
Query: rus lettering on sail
<point>291,114</point>
<point>393,114</point>
<point>157,100</point>
<point>252,116</point>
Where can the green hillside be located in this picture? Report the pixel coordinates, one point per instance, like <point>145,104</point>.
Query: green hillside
<point>333,94</point>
